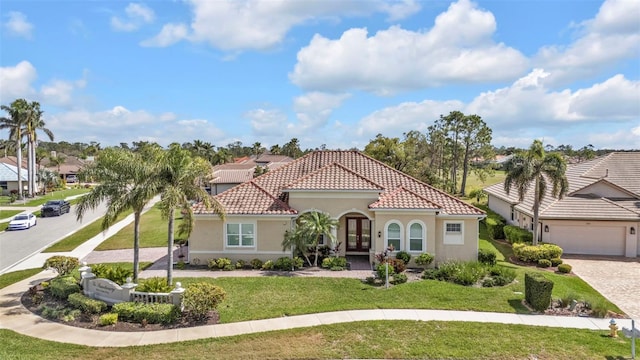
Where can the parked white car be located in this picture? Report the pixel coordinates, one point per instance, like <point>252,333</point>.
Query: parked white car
<point>22,222</point>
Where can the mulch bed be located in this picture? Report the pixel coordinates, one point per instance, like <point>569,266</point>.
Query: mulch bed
<point>87,321</point>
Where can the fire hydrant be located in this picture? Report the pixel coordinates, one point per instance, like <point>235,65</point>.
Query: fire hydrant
<point>614,329</point>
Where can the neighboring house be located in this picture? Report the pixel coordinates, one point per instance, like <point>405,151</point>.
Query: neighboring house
<point>600,215</point>
<point>376,206</point>
<point>226,176</point>
<point>68,169</point>
<point>9,178</point>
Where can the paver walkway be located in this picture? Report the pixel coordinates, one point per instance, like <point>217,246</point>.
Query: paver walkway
<point>15,317</point>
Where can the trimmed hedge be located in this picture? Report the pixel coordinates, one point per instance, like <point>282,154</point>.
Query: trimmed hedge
<point>62,287</point>
<point>514,234</point>
<point>537,291</point>
<point>494,223</point>
<point>564,268</point>
<point>86,304</point>
<point>534,253</point>
<point>115,273</point>
<point>153,313</point>
<point>334,262</point>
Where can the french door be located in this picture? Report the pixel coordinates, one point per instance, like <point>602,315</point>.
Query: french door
<point>358,234</point>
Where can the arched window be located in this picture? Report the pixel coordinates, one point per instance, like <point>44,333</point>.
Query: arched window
<point>394,236</point>
<point>416,237</point>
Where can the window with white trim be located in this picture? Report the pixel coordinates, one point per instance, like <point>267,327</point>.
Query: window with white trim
<point>240,235</point>
<point>416,237</point>
<point>453,233</point>
<point>394,236</point>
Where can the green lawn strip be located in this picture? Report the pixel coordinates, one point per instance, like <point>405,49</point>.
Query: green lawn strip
<point>372,339</point>
<point>5,214</point>
<point>153,233</point>
<point>4,226</point>
<point>79,237</point>
<point>15,276</point>
<point>60,194</point>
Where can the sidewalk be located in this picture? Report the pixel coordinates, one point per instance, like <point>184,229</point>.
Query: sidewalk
<point>17,318</point>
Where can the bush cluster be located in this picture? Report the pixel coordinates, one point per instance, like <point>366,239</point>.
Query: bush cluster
<point>267,265</point>
<point>556,261</point>
<point>62,287</point>
<point>381,270</point>
<point>63,265</point>
<point>200,298</point>
<point>495,226</point>
<point>499,276</point>
<point>256,264</point>
<point>154,285</point>
<point>544,263</point>
<point>424,259</point>
<point>487,257</point>
<point>531,253</point>
<point>64,314</point>
<point>514,234</point>
<point>399,279</point>
<point>108,319</point>
<point>152,313</point>
<point>537,290</point>
<point>86,304</point>
<point>334,263</point>
<point>404,256</point>
<point>115,273</point>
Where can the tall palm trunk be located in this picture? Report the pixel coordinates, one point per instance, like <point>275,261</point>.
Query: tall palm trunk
<point>536,210</point>
<point>136,244</point>
<point>170,248</point>
<point>19,166</point>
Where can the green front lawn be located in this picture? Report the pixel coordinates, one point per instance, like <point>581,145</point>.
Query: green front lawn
<point>362,340</point>
<point>16,276</point>
<point>5,214</point>
<point>54,195</point>
<point>153,232</point>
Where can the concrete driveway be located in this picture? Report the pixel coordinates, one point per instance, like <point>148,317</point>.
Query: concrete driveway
<point>617,279</point>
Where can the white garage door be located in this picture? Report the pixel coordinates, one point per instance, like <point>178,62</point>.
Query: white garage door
<point>589,239</point>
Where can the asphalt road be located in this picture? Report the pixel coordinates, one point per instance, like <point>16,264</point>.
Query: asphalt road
<point>18,245</point>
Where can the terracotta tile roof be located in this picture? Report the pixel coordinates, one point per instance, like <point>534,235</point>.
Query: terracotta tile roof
<point>243,198</point>
<point>248,199</point>
<point>623,174</point>
<point>232,176</point>
<point>333,177</point>
<point>402,198</point>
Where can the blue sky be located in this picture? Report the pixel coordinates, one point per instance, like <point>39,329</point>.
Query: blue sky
<point>323,71</point>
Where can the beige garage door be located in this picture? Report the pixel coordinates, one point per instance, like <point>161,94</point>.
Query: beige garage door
<point>591,240</point>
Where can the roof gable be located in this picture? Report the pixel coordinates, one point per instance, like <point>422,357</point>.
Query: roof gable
<point>248,199</point>
<point>402,198</point>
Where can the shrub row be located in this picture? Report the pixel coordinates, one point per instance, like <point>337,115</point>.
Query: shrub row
<point>424,259</point>
<point>62,287</point>
<point>283,263</point>
<point>531,253</point>
<point>537,291</point>
<point>514,234</point>
<point>487,257</point>
<point>463,273</point>
<point>334,263</point>
<point>154,285</point>
<point>151,313</point>
<point>86,304</point>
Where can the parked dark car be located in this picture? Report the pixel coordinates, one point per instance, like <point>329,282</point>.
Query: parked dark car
<point>55,208</point>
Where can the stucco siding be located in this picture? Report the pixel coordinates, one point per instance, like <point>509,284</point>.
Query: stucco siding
<point>501,207</point>
<point>468,251</point>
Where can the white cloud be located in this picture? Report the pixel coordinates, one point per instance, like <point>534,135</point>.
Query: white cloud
<point>15,81</point>
<point>235,25</point>
<point>137,15</point>
<point>603,41</point>
<point>60,92</point>
<point>266,122</point>
<point>407,116</point>
<point>17,25</point>
<point>314,109</point>
<point>459,48</point>
<point>169,35</point>
<point>119,124</point>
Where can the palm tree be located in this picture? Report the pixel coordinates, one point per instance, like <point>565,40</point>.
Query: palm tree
<point>180,174</point>
<point>127,180</point>
<point>535,167</point>
<point>310,228</point>
<point>16,123</point>
<point>34,122</point>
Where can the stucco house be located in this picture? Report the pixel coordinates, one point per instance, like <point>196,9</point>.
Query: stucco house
<point>375,206</point>
<point>600,215</point>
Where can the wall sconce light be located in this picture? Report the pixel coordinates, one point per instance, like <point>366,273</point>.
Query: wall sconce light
<point>379,234</point>
<point>632,231</point>
<point>546,228</point>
